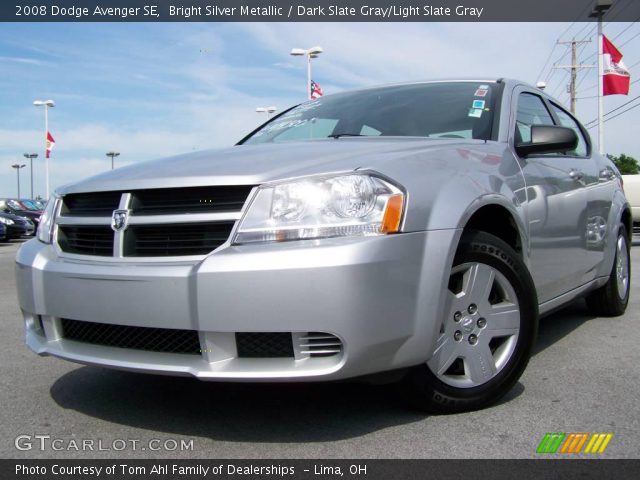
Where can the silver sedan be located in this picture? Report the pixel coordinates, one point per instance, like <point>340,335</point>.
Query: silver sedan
<point>418,228</point>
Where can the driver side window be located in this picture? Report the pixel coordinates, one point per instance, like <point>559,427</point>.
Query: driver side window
<point>531,111</point>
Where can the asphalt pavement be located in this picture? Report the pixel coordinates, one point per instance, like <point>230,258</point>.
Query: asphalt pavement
<point>583,377</point>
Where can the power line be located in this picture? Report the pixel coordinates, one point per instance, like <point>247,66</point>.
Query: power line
<point>615,116</point>
<point>615,109</point>
<point>546,63</point>
<point>622,45</point>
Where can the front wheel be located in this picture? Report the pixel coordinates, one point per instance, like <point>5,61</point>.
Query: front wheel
<point>487,329</point>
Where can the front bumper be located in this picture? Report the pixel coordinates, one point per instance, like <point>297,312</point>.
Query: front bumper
<point>380,296</point>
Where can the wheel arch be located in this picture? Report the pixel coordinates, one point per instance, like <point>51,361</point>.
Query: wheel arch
<point>499,218</point>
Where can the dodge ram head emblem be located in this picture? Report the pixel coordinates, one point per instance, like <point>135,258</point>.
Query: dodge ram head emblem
<point>119,220</point>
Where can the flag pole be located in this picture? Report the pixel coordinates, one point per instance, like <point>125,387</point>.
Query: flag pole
<point>46,142</point>
<point>599,9</point>
<point>600,88</point>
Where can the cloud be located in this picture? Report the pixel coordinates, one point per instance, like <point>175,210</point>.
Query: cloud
<point>28,61</point>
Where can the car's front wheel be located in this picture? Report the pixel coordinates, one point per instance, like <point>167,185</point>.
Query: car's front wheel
<point>487,331</point>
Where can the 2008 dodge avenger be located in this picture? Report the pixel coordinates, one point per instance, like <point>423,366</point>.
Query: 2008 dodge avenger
<point>420,227</point>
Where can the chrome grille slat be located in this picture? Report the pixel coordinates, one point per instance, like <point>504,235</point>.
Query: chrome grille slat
<point>319,344</point>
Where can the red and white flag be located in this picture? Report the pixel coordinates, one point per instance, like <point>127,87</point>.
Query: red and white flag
<point>50,143</point>
<point>615,76</point>
<point>316,91</point>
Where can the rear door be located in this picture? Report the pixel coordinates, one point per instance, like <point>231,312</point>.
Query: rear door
<point>556,205</point>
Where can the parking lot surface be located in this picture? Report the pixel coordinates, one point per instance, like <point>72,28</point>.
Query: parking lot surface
<point>583,377</point>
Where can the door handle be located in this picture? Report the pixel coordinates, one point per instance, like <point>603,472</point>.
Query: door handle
<point>606,174</point>
<point>576,174</point>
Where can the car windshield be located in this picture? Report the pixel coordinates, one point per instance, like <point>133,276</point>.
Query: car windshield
<point>433,110</point>
<point>31,205</point>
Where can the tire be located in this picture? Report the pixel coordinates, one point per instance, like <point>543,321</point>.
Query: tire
<point>612,298</point>
<point>467,373</point>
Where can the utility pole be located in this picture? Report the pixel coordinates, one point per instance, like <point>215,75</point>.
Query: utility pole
<point>573,68</point>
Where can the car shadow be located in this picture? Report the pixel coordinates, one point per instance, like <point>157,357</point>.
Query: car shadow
<point>559,324</point>
<point>241,412</point>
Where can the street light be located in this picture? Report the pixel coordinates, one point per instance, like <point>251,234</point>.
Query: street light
<point>31,156</point>
<point>313,52</point>
<point>267,110</point>
<point>112,155</point>
<point>17,166</point>
<point>46,104</point>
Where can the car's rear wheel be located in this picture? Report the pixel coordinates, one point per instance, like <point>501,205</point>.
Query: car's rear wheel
<point>612,298</point>
<point>487,331</point>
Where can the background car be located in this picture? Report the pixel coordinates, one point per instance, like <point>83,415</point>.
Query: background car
<point>15,225</point>
<point>16,207</point>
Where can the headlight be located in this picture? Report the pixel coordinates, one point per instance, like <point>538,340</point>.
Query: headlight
<point>6,221</point>
<point>320,207</point>
<point>47,221</point>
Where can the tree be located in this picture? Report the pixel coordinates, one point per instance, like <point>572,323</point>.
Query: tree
<point>626,164</point>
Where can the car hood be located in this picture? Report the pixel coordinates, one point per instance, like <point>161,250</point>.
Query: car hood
<point>258,164</point>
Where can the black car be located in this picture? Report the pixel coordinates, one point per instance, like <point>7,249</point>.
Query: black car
<point>15,226</point>
<point>3,232</point>
<point>15,207</point>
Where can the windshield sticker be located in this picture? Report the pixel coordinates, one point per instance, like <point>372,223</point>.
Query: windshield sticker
<point>281,125</point>
<point>478,104</point>
<point>481,93</point>
<point>483,87</point>
<point>475,112</point>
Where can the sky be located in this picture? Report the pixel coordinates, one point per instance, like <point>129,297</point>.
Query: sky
<point>151,90</point>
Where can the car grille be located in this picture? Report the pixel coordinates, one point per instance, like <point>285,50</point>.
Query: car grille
<point>86,240</point>
<point>287,344</point>
<point>172,240</point>
<point>165,222</point>
<point>90,204</point>
<point>264,345</point>
<point>138,338</point>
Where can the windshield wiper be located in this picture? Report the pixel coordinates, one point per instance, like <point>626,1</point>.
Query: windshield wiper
<point>338,135</point>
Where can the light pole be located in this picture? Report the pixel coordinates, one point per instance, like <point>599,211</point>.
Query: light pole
<point>267,110</point>
<point>18,166</point>
<point>31,156</point>
<point>112,155</point>
<point>46,104</point>
<point>310,53</point>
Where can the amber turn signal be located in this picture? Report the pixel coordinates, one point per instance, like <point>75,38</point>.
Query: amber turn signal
<point>393,214</point>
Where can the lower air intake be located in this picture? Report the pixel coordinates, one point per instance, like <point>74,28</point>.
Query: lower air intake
<point>167,340</point>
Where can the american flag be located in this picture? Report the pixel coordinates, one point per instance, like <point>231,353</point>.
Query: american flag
<point>316,91</point>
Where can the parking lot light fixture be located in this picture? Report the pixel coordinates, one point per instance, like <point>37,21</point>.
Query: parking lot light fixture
<point>268,110</point>
<point>112,155</point>
<point>313,52</point>
<point>18,166</point>
<point>31,156</point>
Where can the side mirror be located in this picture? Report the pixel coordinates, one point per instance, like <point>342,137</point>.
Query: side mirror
<point>548,139</point>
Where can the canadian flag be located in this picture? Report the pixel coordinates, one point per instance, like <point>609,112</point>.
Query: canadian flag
<point>50,143</point>
<point>615,76</point>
